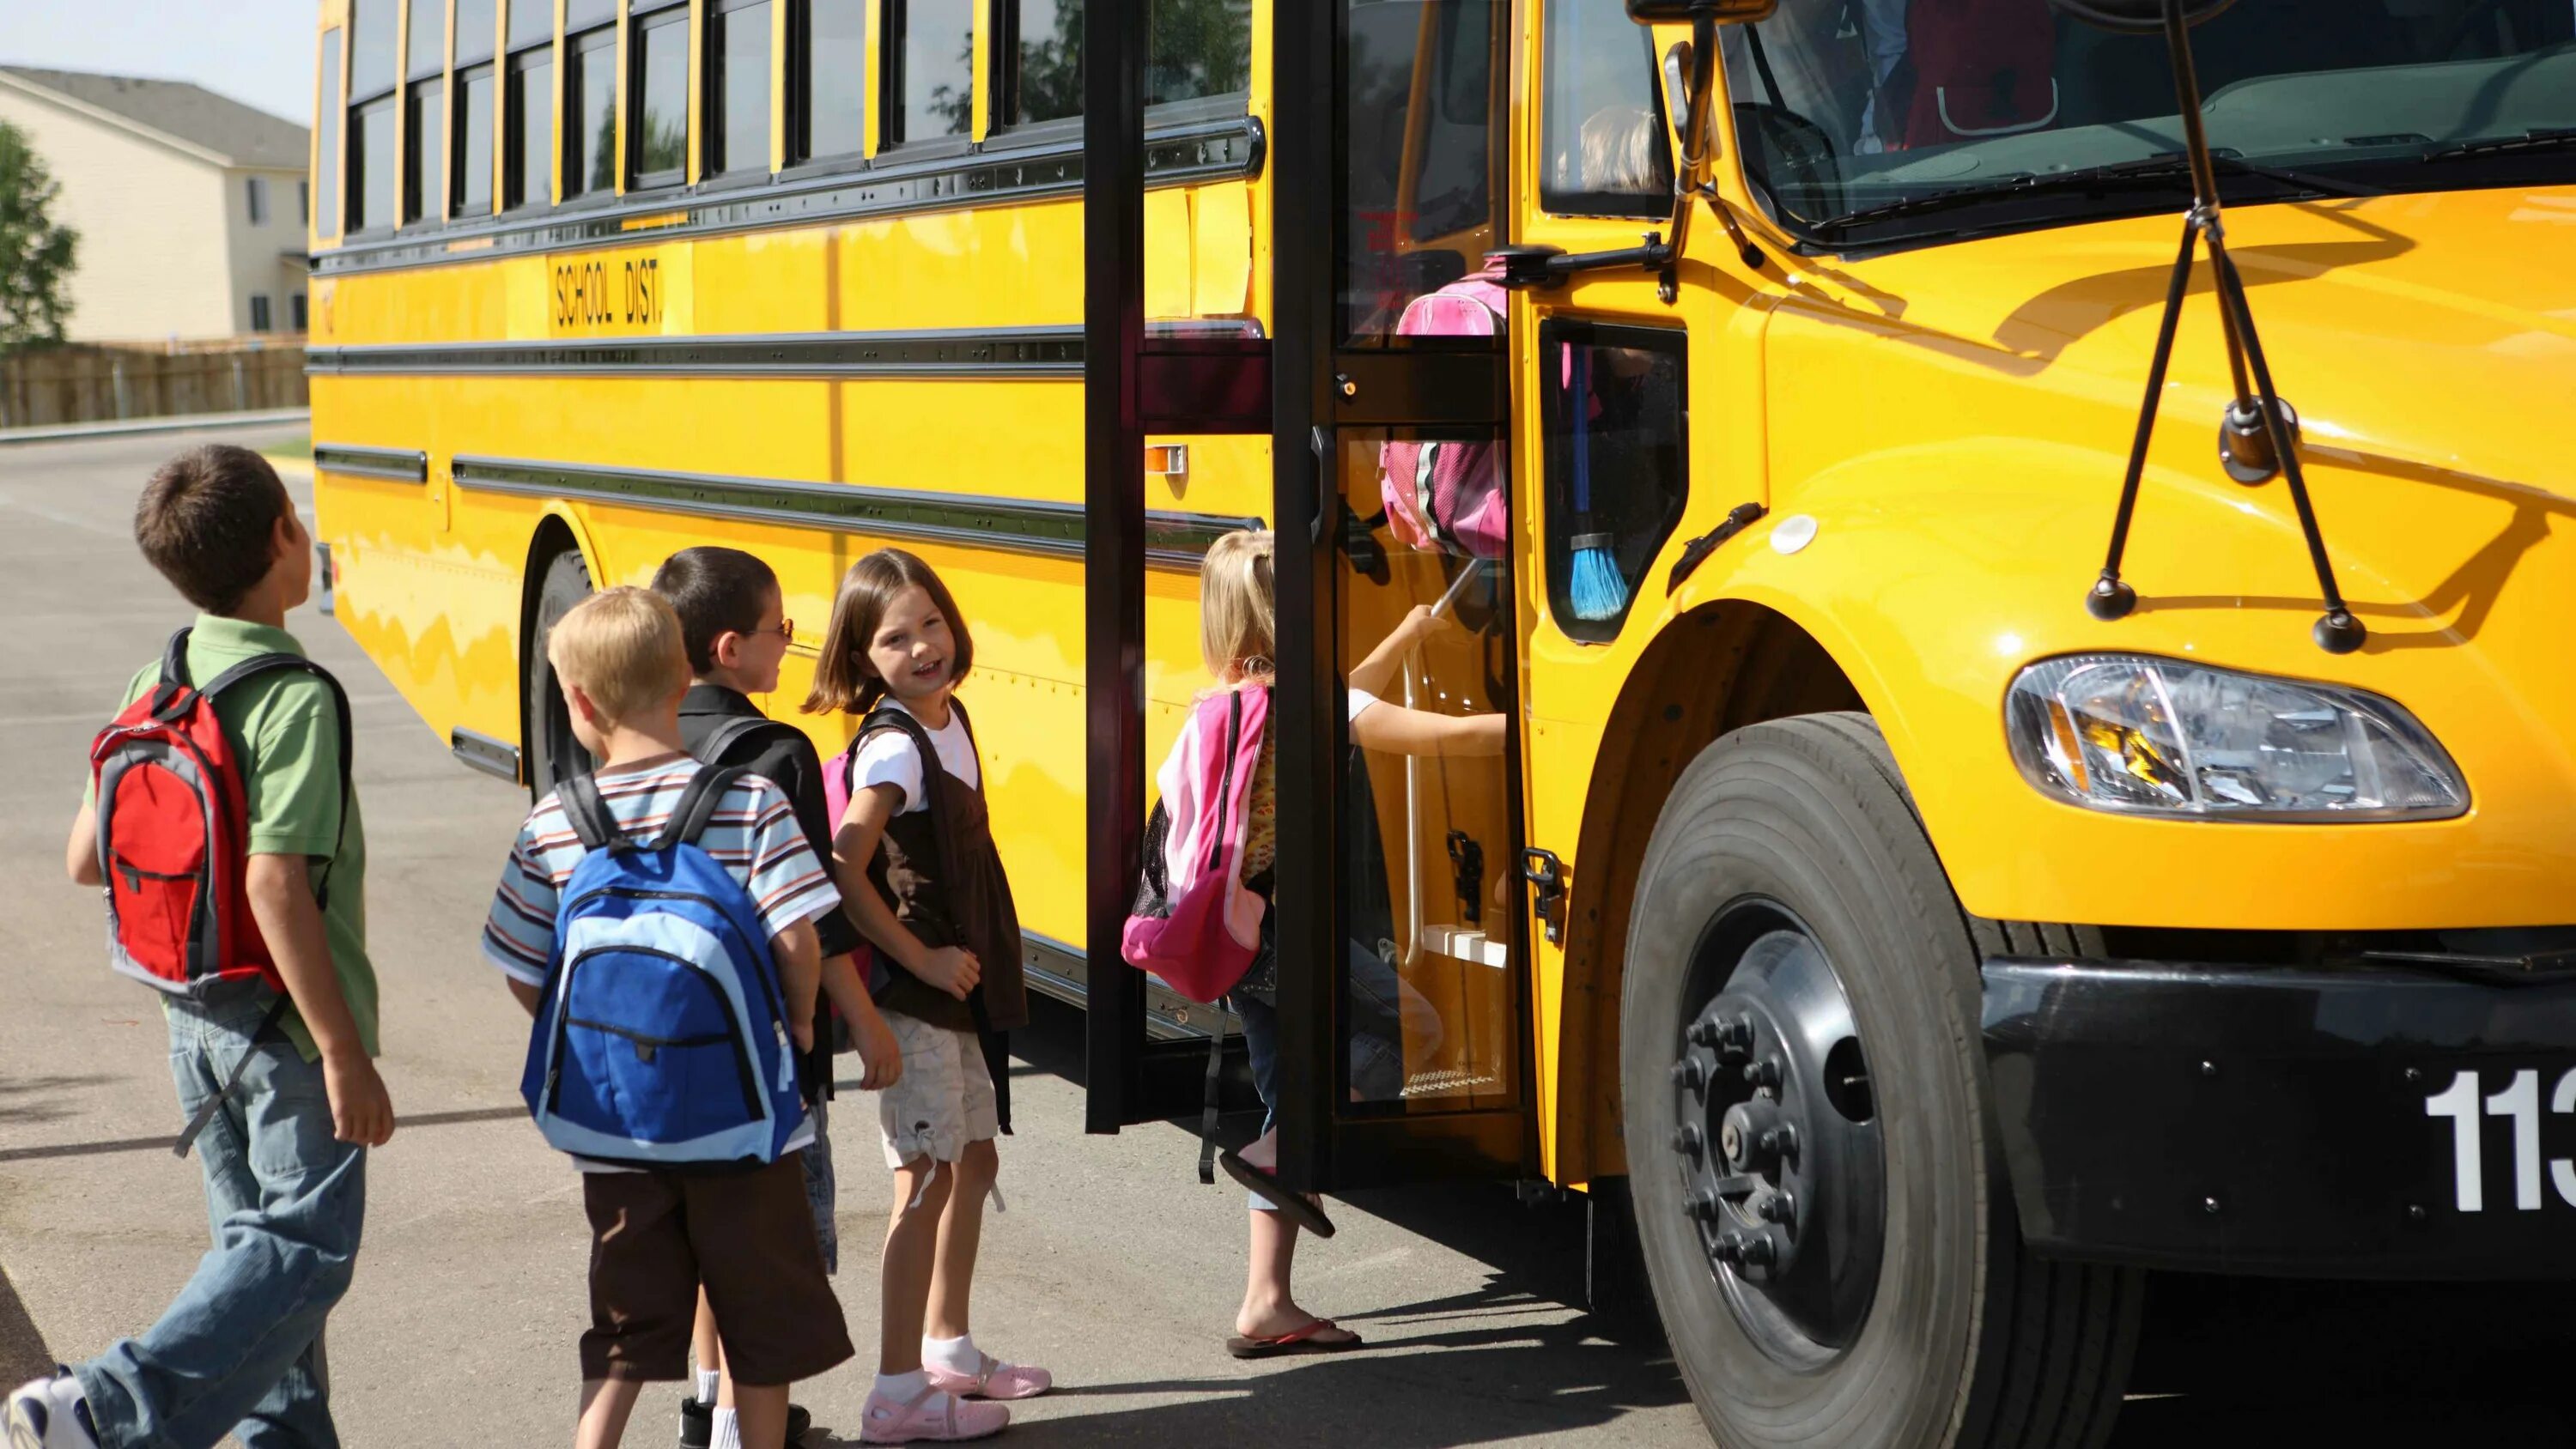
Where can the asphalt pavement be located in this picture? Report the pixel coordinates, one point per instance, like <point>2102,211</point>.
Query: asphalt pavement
<point>1112,1266</point>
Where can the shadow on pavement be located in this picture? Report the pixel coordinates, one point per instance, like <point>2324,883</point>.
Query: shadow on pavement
<point>23,1354</point>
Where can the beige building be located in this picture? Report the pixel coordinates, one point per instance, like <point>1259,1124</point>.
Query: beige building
<point>190,207</point>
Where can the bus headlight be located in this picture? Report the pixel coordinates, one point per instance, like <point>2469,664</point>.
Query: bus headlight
<point>2140,735</point>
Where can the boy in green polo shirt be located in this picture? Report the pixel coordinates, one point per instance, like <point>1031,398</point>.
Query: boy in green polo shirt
<point>240,1350</point>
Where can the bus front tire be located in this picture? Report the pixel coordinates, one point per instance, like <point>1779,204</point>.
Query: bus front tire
<point>1793,924</point>
<point>553,752</point>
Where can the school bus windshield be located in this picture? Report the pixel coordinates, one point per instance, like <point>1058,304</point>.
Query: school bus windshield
<point>1857,132</point>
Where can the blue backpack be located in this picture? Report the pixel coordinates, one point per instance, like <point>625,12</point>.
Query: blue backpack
<point>662,1040</point>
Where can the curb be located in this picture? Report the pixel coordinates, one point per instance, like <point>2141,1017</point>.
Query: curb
<point>187,422</point>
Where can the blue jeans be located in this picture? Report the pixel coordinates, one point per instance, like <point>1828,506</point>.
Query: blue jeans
<point>240,1350</point>
<point>1378,1004</point>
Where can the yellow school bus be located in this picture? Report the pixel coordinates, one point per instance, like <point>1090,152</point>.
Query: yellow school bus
<point>1914,921</point>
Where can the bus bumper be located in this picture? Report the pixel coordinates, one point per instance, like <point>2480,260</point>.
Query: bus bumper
<point>2379,1121</point>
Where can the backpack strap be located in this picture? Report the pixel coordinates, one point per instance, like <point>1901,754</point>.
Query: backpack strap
<point>205,1112</point>
<point>589,813</point>
<point>890,717</point>
<point>273,663</point>
<point>698,801</point>
<point>731,731</point>
<point>169,694</point>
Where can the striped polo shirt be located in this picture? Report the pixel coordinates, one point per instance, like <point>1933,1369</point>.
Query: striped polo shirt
<point>753,834</point>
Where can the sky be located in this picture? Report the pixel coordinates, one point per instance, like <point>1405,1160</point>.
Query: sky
<point>256,51</point>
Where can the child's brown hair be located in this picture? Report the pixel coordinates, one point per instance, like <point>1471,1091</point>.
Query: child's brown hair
<point>843,681</point>
<point>206,519</point>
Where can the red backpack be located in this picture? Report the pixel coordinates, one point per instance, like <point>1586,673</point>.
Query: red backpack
<point>173,830</point>
<point>1195,924</point>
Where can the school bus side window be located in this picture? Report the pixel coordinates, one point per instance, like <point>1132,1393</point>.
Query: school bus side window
<point>737,69</point>
<point>827,67</point>
<point>425,111</point>
<point>1194,50</point>
<point>1615,480</point>
<point>1603,151</point>
<point>590,97</point>
<point>929,71</point>
<point>657,128</point>
<point>325,217</point>
<point>528,125</point>
<point>470,189</point>
<point>1039,56</point>
<point>373,182</point>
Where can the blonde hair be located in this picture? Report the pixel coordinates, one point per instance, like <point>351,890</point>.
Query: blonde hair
<point>1618,153</point>
<point>1238,637</point>
<point>623,649</point>
<point>844,682</point>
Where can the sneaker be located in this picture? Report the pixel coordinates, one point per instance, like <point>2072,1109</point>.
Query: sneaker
<point>50,1413</point>
<point>931,1415</point>
<point>999,1380</point>
<point>698,1424</point>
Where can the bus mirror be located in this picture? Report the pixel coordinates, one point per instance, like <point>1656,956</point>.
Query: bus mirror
<point>1724,12</point>
<point>1677,92</point>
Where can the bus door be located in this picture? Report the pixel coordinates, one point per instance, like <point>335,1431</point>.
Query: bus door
<point>1402,999</point>
<point>1399,1003</point>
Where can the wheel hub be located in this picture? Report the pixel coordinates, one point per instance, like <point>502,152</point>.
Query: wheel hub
<point>1778,1148</point>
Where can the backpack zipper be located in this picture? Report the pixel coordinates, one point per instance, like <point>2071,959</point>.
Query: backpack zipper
<point>564,1023</point>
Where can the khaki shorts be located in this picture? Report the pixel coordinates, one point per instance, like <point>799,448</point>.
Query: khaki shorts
<point>944,1099</point>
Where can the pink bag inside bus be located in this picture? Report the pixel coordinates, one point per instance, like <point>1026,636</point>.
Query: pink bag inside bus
<point>1448,493</point>
<point>1195,924</point>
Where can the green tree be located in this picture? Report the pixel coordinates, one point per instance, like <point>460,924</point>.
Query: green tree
<point>35,253</point>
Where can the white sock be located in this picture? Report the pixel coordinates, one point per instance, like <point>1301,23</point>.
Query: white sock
<point>728,1434</point>
<point>903,1388</point>
<point>956,1355</point>
<point>707,1385</point>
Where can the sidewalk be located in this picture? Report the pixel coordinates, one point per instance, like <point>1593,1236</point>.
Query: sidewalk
<point>186,422</point>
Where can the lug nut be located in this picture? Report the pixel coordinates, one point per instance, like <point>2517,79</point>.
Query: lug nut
<point>1780,1141</point>
<point>1730,1248</point>
<point>1759,1252</point>
<point>1779,1207</point>
<point>1764,1073</point>
<point>1703,1032</point>
<point>1700,1205</point>
<point>1689,1074</point>
<point>1686,1140</point>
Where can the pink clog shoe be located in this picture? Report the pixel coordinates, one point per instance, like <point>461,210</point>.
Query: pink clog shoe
<point>934,1415</point>
<point>999,1380</point>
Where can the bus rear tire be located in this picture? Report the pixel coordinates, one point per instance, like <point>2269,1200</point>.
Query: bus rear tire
<point>1860,1281</point>
<point>553,752</point>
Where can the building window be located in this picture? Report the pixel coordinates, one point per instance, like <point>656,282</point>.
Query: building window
<point>528,108</point>
<point>295,312</point>
<point>259,318</point>
<point>657,125</point>
<point>303,202</point>
<point>590,113</point>
<point>737,65</point>
<point>425,112</point>
<point>255,191</point>
<point>326,146</point>
<point>1603,151</point>
<point>827,66</point>
<point>929,71</point>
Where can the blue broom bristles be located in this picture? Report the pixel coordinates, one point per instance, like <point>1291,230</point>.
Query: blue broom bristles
<point>1596,591</point>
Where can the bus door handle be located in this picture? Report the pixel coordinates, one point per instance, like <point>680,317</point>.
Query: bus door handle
<point>1545,875</point>
<point>1319,446</point>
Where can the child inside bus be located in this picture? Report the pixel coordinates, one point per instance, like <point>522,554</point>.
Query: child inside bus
<point>916,860</point>
<point>734,623</point>
<point>1237,620</point>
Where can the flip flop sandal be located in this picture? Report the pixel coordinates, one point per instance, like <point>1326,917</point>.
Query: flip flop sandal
<point>1296,1341</point>
<point>1292,1206</point>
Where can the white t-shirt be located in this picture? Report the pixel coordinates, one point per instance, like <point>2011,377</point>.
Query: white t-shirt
<point>1361,699</point>
<point>888,758</point>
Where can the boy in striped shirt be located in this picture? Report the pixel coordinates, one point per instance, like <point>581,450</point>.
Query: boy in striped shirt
<point>657,1237</point>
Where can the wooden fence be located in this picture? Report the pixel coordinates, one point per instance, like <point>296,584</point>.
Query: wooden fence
<point>80,384</point>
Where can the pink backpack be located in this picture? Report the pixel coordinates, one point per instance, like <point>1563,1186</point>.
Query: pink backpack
<point>1195,924</point>
<point>1448,494</point>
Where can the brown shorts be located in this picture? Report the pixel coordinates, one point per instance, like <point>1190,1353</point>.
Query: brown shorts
<point>748,1237</point>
